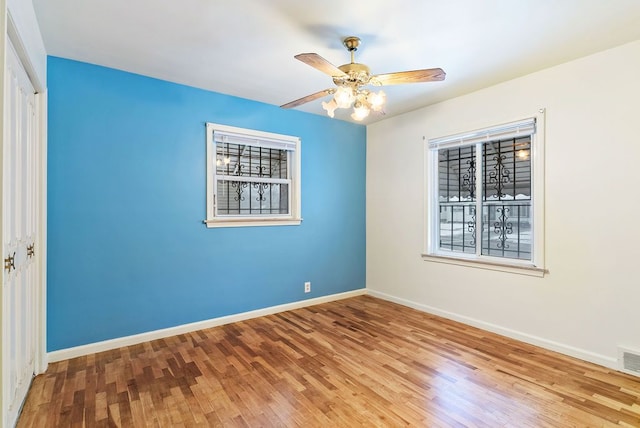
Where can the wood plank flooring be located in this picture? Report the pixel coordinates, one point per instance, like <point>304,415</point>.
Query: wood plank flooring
<point>355,362</point>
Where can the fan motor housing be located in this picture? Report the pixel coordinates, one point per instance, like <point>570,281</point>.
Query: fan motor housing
<point>357,73</point>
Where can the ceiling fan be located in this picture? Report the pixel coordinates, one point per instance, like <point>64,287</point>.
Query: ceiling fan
<point>351,80</point>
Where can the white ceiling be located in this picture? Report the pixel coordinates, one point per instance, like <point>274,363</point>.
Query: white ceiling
<point>246,47</point>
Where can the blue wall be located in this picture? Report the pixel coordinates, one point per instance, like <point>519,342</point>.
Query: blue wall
<point>127,250</point>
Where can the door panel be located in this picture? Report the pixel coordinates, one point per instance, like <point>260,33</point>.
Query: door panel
<point>20,228</point>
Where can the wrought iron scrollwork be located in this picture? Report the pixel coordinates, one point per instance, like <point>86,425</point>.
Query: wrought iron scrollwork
<point>263,171</point>
<point>238,187</point>
<point>261,188</point>
<point>500,175</point>
<point>31,251</point>
<point>471,226</point>
<point>469,178</point>
<point>10,262</point>
<point>503,227</point>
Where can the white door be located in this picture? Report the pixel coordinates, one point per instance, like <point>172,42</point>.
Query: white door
<point>20,223</point>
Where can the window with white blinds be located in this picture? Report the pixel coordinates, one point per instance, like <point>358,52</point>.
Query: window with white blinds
<point>253,177</point>
<point>483,190</point>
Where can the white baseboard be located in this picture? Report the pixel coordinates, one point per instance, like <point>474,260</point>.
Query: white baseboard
<point>106,345</point>
<point>91,348</point>
<point>571,351</point>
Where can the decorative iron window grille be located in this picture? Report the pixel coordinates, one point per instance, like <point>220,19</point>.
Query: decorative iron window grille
<point>253,176</point>
<point>493,177</point>
<point>251,180</point>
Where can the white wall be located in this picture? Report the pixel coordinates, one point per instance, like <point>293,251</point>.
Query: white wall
<point>589,302</point>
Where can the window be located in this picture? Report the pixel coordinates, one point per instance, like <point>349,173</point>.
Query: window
<point>253,178</point>
<point>485,196</point>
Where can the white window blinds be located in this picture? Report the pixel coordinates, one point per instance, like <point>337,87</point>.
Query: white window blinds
<point>242,140</point>
<point>509,130</point>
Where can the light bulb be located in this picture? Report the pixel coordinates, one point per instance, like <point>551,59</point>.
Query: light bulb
<point>330,107</point>
<point>360,111</point>
<point>344,96</point>
<point>523,154</point>
<point>218,162</point>
<point>376,100</point>
<point>227,160</point>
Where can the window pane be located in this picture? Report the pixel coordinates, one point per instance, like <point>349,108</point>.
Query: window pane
<point>506,186</point>
<point>249,161</point>
<point>244,198</point>
<point>458,227</point>
<point>457,174</point>
<point>507,170</point>
<point>506,230</point>
<point>456,196</point>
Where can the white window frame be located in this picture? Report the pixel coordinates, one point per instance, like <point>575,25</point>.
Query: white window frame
<point>533,126</point>
<point>223,133</point>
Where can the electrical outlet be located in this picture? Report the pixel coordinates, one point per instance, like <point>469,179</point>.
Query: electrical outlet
<point>307,287</point>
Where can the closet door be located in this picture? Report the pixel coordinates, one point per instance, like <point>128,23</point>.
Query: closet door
<point>20,230</point>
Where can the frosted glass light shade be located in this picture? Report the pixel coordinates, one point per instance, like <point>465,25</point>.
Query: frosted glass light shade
<point>376,100</point>
<point>330,107</point>
<point>344,97</point>
<point>360,111</point>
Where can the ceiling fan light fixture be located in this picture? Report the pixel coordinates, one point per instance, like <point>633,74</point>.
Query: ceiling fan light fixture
<point>376,100</point>
<point>360,111</point>
<point>351,80</point>
<point>344,97</point>
<point>330,107</point>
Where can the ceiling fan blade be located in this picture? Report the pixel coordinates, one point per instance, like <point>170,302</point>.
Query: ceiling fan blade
<point>319,63</point>
<point>415,76</point>
<point>308,98</point>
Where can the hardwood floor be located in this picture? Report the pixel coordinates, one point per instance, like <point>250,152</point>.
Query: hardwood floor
<point>354,362</point>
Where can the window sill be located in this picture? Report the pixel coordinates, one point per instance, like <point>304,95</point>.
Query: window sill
<point>528,270</point>
<point>252,222</point>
